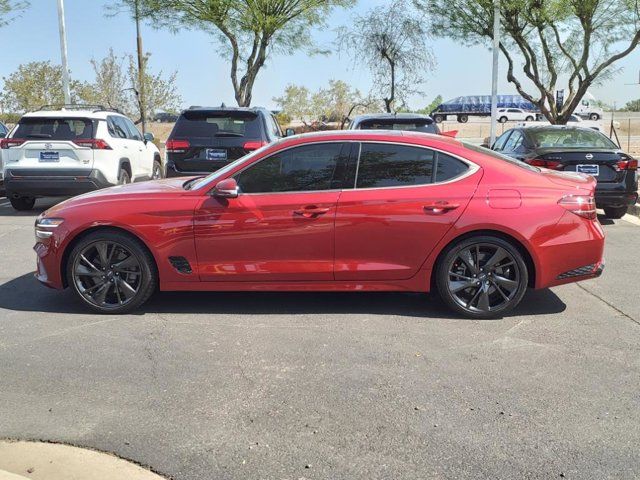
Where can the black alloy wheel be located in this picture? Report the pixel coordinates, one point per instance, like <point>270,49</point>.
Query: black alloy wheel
<point>482,277</point>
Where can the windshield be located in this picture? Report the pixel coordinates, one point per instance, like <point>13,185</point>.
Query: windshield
<point>417,125</point>
<point>222,172</point>
<point>499,156</point>
<point>570,138</point>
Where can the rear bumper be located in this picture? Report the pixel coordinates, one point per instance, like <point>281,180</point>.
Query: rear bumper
<point>53,183</point>
<point>615,199</point>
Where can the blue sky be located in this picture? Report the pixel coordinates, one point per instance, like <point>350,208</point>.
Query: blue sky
<point>203,77</point>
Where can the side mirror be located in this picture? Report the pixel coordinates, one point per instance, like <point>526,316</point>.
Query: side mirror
<point>289,132</point>
<point>148,137</point>
<point>227,188</point>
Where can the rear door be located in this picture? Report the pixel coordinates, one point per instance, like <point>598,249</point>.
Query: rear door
<point>50,142</point>
<point>210,139</point>
<point>406,199</point>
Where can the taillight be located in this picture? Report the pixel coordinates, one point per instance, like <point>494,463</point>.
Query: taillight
<point>582,205</point>
<point>253,145</point>
<point>177,146</point>
<point>540,162</point>
<point>627,164</point>
<point>94,143</point>
<point>11,142</point>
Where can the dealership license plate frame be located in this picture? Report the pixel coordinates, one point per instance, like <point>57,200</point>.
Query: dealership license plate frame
<point>592,169</point>
<point>216,154</point>
<point>49,157</point>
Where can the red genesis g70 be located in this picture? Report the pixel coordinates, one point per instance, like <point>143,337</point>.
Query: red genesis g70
<point>337,211</point>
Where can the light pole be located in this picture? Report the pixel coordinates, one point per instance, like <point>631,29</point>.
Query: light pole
<point>494,72</point>
<point>141,97</point>
<point>63,53</point>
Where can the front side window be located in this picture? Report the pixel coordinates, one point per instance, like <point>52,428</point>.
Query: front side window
<point>134,133</point>
<point>304,168</point>
<point>388,165</point>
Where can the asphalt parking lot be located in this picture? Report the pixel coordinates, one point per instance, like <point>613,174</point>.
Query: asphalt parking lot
<point>341,386</point>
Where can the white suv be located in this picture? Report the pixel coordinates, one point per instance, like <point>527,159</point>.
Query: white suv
<point>517,114</point>
<point>74,149</point>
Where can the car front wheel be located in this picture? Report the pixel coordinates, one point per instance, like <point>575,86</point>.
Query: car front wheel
<point>111,272</point>
<point>157,170</point>
<point>482,277</point>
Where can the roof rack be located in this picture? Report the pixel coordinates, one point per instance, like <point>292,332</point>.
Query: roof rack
<point>69,106</point>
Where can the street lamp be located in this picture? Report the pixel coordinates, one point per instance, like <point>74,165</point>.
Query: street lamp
<point>63,53</point>
<point>494,73</point>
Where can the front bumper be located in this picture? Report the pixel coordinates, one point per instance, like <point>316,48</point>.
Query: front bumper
<point>53,182</point>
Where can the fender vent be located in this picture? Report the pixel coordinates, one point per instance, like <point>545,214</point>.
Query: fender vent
<point>181,264</point>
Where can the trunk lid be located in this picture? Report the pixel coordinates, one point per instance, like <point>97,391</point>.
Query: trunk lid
<point>600,163</point>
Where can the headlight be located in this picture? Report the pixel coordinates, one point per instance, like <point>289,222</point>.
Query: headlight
<point>44,227</point>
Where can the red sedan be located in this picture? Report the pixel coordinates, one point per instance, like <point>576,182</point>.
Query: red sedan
<point>338,211</point>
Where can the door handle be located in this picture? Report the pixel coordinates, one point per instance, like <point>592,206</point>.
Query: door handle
<point>439,207</point>
<point>311,211</point>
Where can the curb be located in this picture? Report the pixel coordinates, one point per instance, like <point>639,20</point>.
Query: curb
<point>20,460</point>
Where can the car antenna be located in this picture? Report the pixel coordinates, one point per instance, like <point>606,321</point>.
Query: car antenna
<point>223,105</point>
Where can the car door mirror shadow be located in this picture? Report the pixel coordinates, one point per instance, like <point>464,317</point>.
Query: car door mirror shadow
<point>24,293</point>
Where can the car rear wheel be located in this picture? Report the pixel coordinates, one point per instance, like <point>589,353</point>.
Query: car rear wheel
<point>529,119</point>
<point>482,277</point>
<point>503,119</point>
<point>123,177</point>
<point>615,212</point>
<point>111,272</point>
<point>463,118</point>
<point>594,116</point>
<point>438,118</point>
<point>22,203</point>
<point>157,170</point>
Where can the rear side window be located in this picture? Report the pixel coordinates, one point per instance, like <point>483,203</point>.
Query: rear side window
<point>387,165</point>
<point>54,128</point>
<point>305,168</point>
<point>208,125</point>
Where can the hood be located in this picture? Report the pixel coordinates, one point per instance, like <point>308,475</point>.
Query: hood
<point>164,187</point>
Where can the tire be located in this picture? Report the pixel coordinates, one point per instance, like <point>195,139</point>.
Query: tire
<point>463,118</point>
<point>481,283</point>
<point>157,172</point>
<point>503,119</point>
<point>91,278</point>
<point>438,118</point>
<point>528,119</point>
<point>615,212</point>
<point>594,117</point>
<point>123,177</point>
<point>22,204</point>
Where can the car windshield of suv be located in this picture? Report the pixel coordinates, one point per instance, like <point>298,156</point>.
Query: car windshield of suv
<point>408,125</point>
<point>217,124</point>
<point>51,128</point>
<point>570,138</point>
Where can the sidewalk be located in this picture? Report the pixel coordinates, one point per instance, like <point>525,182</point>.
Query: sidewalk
<point>51,461</point>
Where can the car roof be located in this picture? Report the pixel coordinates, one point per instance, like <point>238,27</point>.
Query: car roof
<point>74,113</point>
<point>367,135</point>
<point>225,109</point>
<point>391,116</point>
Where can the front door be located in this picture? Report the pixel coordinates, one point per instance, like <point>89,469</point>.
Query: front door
<point>400,209</point>
<point>281,226</point>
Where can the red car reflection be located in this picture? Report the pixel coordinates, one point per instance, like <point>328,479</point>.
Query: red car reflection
<point>349,211</point>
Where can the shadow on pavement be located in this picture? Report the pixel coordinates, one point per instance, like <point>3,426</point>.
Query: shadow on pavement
<point>26,294</point>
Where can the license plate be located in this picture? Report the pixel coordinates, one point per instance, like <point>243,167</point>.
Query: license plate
<point>593,170</point>
<point>215,154</point>
<point>49,156</point>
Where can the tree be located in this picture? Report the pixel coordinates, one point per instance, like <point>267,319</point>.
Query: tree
<point>296,103</point>
<point>432,106</point>
<point>552,40</point>
<point>35,84</point>
<point>632,106</point>
<point>250,30</point>
<point>116,87</point>
<point>10,8</point>
<point>391,42</point>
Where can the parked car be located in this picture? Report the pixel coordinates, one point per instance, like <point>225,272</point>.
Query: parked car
<point>414,122</point>
<point>3,133</point>
<point>165,117</point>
<point>346,210</point>
<point>577,149</point>
<point>515,114</point>
<point>206,139</point>
<point>65,151</point>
